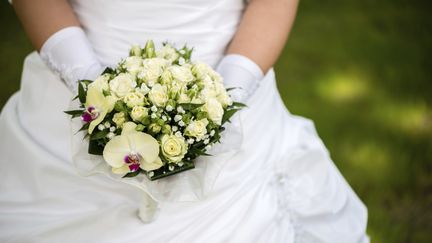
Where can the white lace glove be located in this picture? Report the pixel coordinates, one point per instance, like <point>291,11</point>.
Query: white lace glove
<point>69,54</point>
<point>241,73</point>
<point>245,75</point>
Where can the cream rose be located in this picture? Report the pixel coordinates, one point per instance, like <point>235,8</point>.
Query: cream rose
<point>167,52</point>
<point>135,50</point>
<point>197,129</point>
<point>100,83</point>
<point>134,99</point>
<point>119,118</point>
<point>166,77</point>
<point>183,98</point>
<point>152,70</point>
<point>216,77</point>
<point>182,74</point>
<point>221,94</point>
<point>201,70</point>
<point>138,113</point>
<point>133,64</point>
<point>122,84</point>
<point>224,99</point>
<point>214,110</point>
<point>173,148</point>
<point>158,95</point>
<point>208,93</point>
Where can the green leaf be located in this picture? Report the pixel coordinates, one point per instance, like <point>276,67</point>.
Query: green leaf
<point>132,174</point>
<point>81,93</point>
<point>228,114</point>
<point>238,104</point>
<point>106,93</point>
<point>99,134</point>
<point>84,127</point>
<point>95,148</point>
<point>120,106</point>
<point>86,81</point>
<point>188,53</point>
<point>108,70</point>
<point>158,174</point>
<point>74,113</point>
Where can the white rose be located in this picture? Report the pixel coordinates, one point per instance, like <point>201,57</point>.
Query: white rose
<point>158,95</point>
<point>119,118</point>
<point>222,95</point>
<point>214,110</point>
<point>208,93</point>
<point>176,88</point>
<point>101,83</point>
<point>224,99</point>
<point>182,74</point>
<point>139,112</point>
<point>122,84</point>
<point>183,98</point>
<point>133,64</point>
<point>167,52</point>
<point>152,70</point>
<point>197,129</point>
<point>134,99</point>
<point>166,77</point>
<point>196,100</point>
<point>201,70</point>
<point>143,89</point>
<point>135,50</point>
<point>173,147</point>
<point>216,76</point>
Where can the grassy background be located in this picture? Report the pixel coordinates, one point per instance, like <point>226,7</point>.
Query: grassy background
<point>361,70</point>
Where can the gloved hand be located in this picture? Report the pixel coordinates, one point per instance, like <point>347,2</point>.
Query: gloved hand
<point>241,73</point>
<point>244,75</point>
<point>69,54</point>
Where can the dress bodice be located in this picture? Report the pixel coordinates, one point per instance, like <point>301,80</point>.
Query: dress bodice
<point>112,26</point>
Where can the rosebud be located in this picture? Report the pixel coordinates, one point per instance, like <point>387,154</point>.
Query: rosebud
<point>160,122</point>
<point>149,49</point>
<point>135,51</point>
<point>139,128</point>
<point>154,128</point>
<point>166,129</point>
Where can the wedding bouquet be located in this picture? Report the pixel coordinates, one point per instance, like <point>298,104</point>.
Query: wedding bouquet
<point>155,113</point>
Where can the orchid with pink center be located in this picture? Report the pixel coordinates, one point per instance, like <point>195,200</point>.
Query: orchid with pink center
<point>97,106</point>
<point>132,150</point>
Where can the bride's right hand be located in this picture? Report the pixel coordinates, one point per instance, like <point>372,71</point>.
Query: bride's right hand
<point>69,53</point>
<point>54,31</point>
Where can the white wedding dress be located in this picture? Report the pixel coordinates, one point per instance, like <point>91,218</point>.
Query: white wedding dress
<point>280,185</point>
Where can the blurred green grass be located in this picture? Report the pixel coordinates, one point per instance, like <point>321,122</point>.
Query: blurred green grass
<point>361,70</point>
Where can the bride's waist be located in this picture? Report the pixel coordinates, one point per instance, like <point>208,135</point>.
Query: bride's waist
<point>113,27</point>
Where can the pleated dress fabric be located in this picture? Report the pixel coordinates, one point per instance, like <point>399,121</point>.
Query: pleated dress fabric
<point>280,186</point>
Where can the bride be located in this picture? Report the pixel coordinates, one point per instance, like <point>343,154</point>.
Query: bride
<point>279,185</point>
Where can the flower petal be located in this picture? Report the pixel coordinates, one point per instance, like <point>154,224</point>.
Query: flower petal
<point>145,145</point>
<point>110,102</point>
<point>115,151</point>
<point>95,98</point>
<point>151,166</point>
<point>96,121</point>
<point>121,170</point>
<point>129,127</point>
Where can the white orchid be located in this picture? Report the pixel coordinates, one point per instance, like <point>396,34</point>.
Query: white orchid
<point>97,106</point>
<point>132,150</point>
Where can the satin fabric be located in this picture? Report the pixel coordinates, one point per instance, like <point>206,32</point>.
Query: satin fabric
<point>280,186</point>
